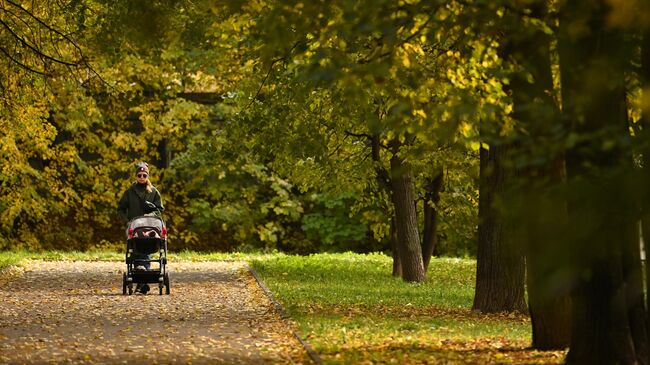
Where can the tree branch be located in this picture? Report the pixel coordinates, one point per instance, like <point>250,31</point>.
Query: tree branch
<point>399,44</point>
<point>47,26</point>
<point>56,37</point>
<point>34,48</point>
<point>358,135</point>
<point>22,64</point>
<point>268,73</point>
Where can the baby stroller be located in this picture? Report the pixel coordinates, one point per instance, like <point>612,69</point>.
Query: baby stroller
<point>146,235</point>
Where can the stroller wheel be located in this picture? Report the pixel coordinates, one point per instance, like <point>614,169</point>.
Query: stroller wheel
<point>130,289</point>
<point>124,284</point>
<point>143,289</point>
<point>167,284</point>
<point>160,288</point>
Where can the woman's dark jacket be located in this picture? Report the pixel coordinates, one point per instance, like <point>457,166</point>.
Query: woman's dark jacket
<point>132,203</point>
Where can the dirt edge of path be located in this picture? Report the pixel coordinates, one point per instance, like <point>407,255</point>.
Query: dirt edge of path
<point>11,272</point>
<point>283,314</point>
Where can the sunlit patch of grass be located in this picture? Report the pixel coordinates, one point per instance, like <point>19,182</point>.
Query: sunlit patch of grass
<point>354,279</point>
<point>352,310</point>
<point>9,258</point>
<point>214,256</point>
<point>95,255</point>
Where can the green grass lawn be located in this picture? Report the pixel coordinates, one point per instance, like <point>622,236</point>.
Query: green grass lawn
<point>351,309</point>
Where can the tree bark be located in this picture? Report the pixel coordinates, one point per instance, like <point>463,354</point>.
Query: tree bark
<point>593,97</point>
<point>644,135</point>
<point>431,198</point>
<point>644,76</point>
<point>410,251</point>
<point>543,215</point>
<point>499,263</point>
<point>384,182</point>
<point>397,263</point>
<point>633,277</point>
<point>549,298</point>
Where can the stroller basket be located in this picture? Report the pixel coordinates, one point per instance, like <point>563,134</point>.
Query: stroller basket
<point>145,245</point>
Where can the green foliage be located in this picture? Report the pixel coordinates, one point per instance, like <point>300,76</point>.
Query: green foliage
<point>458,207</point>
<point>276,159</point>
<point>330,221</point>
<point>359,76</point>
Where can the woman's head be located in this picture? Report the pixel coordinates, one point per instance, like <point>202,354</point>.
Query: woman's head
<point>142,175</point>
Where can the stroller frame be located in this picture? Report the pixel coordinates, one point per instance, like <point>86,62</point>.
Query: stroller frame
<point>146,235</point>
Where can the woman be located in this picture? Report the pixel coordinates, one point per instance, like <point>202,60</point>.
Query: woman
<point>134,204</point>
<point>133,200</point>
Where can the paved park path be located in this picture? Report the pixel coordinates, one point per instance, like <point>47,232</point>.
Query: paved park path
<point>75,313</point>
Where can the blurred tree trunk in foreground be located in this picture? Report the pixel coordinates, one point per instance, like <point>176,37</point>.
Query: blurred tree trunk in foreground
<point>592,64</point>
<point>644,76</point>
<point>542,210</point>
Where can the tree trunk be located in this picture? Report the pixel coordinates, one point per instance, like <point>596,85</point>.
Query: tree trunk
<point>633,277</point>
<point>431,198</point>
<point>549,299</point>
<point>593,97</point>
<point>410,251</point>
<point>384,182</point>
<point>644,76</point>
<point>499,263</point>
<point>543,214</point>
<point>644,136</point>
<point>397,263</point>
